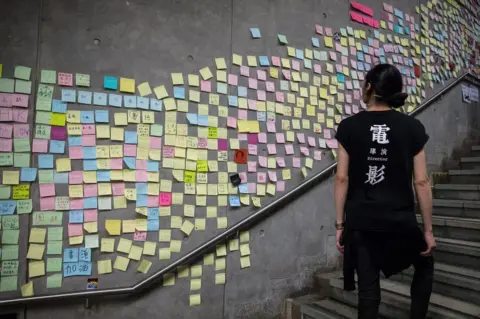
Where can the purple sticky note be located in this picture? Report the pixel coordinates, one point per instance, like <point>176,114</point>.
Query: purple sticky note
<point>58,133</point>
<point>252,139</point>
<point>222,144</point>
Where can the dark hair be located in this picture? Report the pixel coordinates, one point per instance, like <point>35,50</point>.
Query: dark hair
<point>386,82</point>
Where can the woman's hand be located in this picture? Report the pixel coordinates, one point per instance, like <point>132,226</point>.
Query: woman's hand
<point>339,236</point>
<point>429,239</point>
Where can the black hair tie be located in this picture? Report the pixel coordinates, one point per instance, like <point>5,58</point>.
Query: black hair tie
<point>396,100</point>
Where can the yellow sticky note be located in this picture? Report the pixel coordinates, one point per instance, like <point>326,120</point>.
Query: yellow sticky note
<point>107,245</point>
<point>245,262</point>
<point>27,289</point>
<point>149,248</point>
<point>175,246</point>
<point>144,89</point>
<point>11,177</point>
<point>195,284</point>
<point>220,63</point>
<point>36,269</point>
<point>75,240</point>
<point>37,235</point>
<point>193,80</point>
<point>135,253</point>
<point>127,85</point>
<point>113,226</point>
<point>35,251</point>
<point>104,266</point>
<point>220,278</point>
<point>187,227</point>
<point>58,119</point>
<point>206,73</point>
<point>160,92</point>
<point>164,253</point>
<point>196,270</point>
<point>177,78</point>
<point>144,266</point>
<point>237,59</point>
<point>91,227</point>
<point>121,263</point>
<point>220,264</point>
<point>164,235</point>
<point>195,300</point>
<point>328,42</point>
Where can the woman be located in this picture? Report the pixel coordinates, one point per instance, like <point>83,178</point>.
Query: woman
<point>380,152</point>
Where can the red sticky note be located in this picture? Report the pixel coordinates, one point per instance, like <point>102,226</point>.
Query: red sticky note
<point>165,199</point>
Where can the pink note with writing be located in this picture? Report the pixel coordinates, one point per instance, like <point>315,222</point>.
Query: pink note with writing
<point>202,142</point>
<point>169,152</point>
<point>276,61</point>
<point>141,176</point>
<point>6,130</point>
<point>88,140</point>
<point>244,70</point>
<point>39,146</point>
<point>269,86</point>
<point>118,189</point>
<point>304,150</point>
<point>6,115</point>
<point>348,109</point>
<point>21,130</point>
<point>90,190</point>
<point>271,128</point>
<point>289,149</point>
<point>261,177</point>
<point>243,177</point>
<point>75,177</point>
<point>165,199</point>
<point>140,236</point>
<point>47,203</point>
<point>243,114</point>
<point>261,95</point>
<point>6,99</point>
<point>20,116</point>
<point>155,142</point>
<point>205,86</point>
<point>141,164</point>
<point>262,137</point>
<point>47,190</point>
<point>252,149</point>
<point>272,149</point>
<point>296,65</point>
<point>232,79</point>
<point>58,133</point>
<point>6,144</point>
<point>75,152</point>
<point>130,150</point>
<point>317,155</point>
<point>76,203</point>
<point>280,97</point>
<point>344,60</point>
<point>280,137</point>
<point>252,83</point>
<point>116,163</point>
<point>90,215</point>
<point>272,175</point>
<point>328,32</point>
<point>75,230</point>
<point>311,141</point>
<point>261,75</point>
<point>252,166</point>
<point>295,161</point>
<point>65,79</point>
<point>262,161</point>
<point>231,122</point>
<point>281,186</point>
<point>301,138</point>
<point>88,129</point>
<point>280,161</point>
<point>20,100</point>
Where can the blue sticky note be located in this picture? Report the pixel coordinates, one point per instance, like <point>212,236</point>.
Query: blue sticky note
<point>400,22</point>
<point>398,13</point>
<point>370,41</point>
<point>28,174</point>
<point>74,141</point>
<point>7,207</point>
<point>70,255</point>
<point>103,176</point>
<point>383,60</point>
<point>382,52</point>
<point>90,165</point>
<point>365,48</point>
<point>202,120</point>
<point>152,213</point>
<point>255,33</point>
<point>263,60</point>
<point>156,105</point>
<point>299,54</point>
<point>100,98</point>
<point>85,254</point>
<point>222,88</point>
<point>360,56</point>
<point>192,118</point>
<point>84,268</point>
<point>315,42</point>
<point>84,97</point>
<point>75,216</point>
<point>130,101</point>
<point>87,117</point>
<point>141,200</point>
<point>60,178</point>
<point>57,147</point>
<point>153,225</point>
<point>340,78</point>
<point>59,107</point>
<point>232,100</point>
<point>115,100</point>
<point>101,116</point>
<point>69,95</point>
<point>179,92</point>
<point>307,63</point>
<point>90,202</point>
<point>89,152</point>
<point>234,200</point>
<point>367,67</point>
<point>141,188</point>
<point>243,188</point>
<point>376,34</point>
<point>242,91</point>
<point>45,161</point>
<point>261,116</point>
<point>130,162</point>
<point>110,83</point>
<point>143,102</point>
<point>131,137</point>
<point>360,66</point>
<point>152,166</point>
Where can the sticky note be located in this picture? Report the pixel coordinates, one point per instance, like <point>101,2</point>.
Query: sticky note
<point>107,245</point>
<point>127,85</point>
<point>54,281</point>
<point>121,263</point>
<point>195,300</point>
<point>104,266</point>
<point>27,289</point>
<point>144,89</point>
<point>113,227</point>
<point>255,32</point>
<point>144,266</point>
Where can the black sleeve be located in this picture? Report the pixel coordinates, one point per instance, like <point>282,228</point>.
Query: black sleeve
<point>419,137</point>
<point>342,135</point>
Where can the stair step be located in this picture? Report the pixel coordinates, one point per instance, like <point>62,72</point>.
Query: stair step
<point>328,309</point>
<point>475,150</point>
<point>396,302</point>
<point>455,227</point>
<point>458,252</point>
<point>457,191</point>
<point>470,162</point>
<point>456,208</point>
<point>464,176</point>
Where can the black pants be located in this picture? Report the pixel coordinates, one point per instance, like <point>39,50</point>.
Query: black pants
<point>369,284</point>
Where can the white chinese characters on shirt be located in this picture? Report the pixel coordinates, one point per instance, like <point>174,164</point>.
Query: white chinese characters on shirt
<point>376,173</point>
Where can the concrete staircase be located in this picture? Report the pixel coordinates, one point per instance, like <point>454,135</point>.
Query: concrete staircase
<point>456,289</point>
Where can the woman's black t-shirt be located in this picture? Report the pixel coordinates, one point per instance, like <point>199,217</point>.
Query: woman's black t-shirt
<point>381,146</point>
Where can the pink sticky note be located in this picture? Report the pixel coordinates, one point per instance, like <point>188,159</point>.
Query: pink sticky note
<point>155,142</point>
<point>311,141</point>
<point>242,137</point>
<point>130,150</point>
<point>272,149</point>
<point>90,190</point>
<point>168,152</point>
<point>20,100</point>
<point>262,161</point>
<point>222,144</point>
<point>202,143</point>
<point>252,166</point>
<point>116,163</point>
<point>304,150</point>
<point>75,177</point>
<point>88,129</point>
<point>280,97</point>
<point>243,177</point>
<point>270,86</point>
<point>280,161</point>
<point>47,203</point>
<point>231,122</point>
<point>39,146</point>
<point>295,161</point>
<point>6,144</point>
<point>65,79</point>
<point>47,190</point>
<point>252,149</point>
<point>289,149</point>
<point>141,175</point>
<point>6,130</point>
<point>286,74</point>
<point>318,29</point>
<point>280,137</point>
<point>205,86</point>
<point>88,140</point>
<point>75,152</point>
<point>152,201</point>
<point>141,164</point>
<point>76,203</point>
<point>328,32</point>
<point>6,115</point>
<point>243,114</point>
<point>317,155</point>
<point>281,186</point>
<point>252,83</point>
<point>301,138</point>
<point>244,70</point>
<point>6,99</point>
<point>90,215</point>
<point>261,95</point>
<point>252,105</point>
<point>317,68</point>
<point>348,109</point>
<point>327,133</point>
<point>271,128</point>
<point>332,143</point>
<point>261,75</point>
<point>232,79</point>
<point>261,177</point>
<point>140,236</point>
<point>252,188</point>
<point>262,138</point>
<point>276,61</point>
<point>21,130</point>
<point>296,65</point>
<point>272,175</point>
<point>165,199</point>
<point>348,98</point>
<point>75,230</point>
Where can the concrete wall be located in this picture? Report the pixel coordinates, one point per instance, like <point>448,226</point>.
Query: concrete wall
<point>149,40</point>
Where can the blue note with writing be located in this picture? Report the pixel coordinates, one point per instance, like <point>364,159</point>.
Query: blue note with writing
<point>7,207</point>
<point>84,97</point>
<point>69,95</point>
<point>57,147</point>
<point>243,188</point>
<point>90,202</point>
<point>143,102</point>
<point>307,63</point>
<point>28,174</point>
<point>156,105</point>
<point>130,101</point>
<point>103,176</point>
<point>101,116</point>
<point>75,216</point>
<point>60,178</point>
<point>299,54</point>
<point>100,98</point>
<point>45,161</point>
<point>59,107</point>
<point>130,162</point>
<point>82,268</point>
<point>87,117</point>
<point>234,200</point>
<point>85,254</point>
<point>315,42</point>
<point>141,188</point>
<point>131,137</point>
<point>70,255</point>
<point>110,83</point>
<point>153,213</point>
<point>74,141</point>
<point>115,100</point>
<point>89,165</point>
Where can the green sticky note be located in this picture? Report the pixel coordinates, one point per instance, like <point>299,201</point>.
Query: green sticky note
<point>156,130</point>
<point>24,87</point>
<point>54,264</point>
<point>9,252</point>
<point>282,39</point>
<point>10,268</point>
<point>22,72</point>
<point>21,159</point>
<point>10,236</point>
<point>43,131</point>
<point>55,233</point>
<point>5,191</point>
<point>6,159</point>
<point>7,85</point>
<point>82,79</point>
<point>47,218</point>
<point>43,117</point>
<point>45,176</point>
<point>54,247</point>
<point>8,283</point>
<point>44,97</point>
<point>24,206</point>
<point>54,281</point>
<point>11,222</point>
<point>48,76</point>
<point>21,145</point>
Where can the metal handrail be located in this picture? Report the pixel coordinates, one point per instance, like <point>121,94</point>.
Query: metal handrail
<point>230,232</point>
